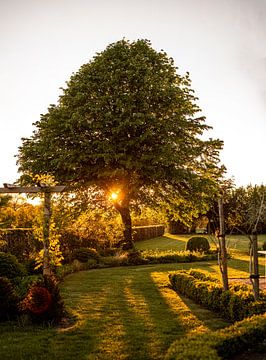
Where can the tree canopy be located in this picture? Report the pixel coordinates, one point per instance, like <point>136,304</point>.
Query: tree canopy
<point>126,122</point>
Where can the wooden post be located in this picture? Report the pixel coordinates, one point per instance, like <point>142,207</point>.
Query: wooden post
<point>47,190</point>
<point>222,246</point>
<point>46,232</point>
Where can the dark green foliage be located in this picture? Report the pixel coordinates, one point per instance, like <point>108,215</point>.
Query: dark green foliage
<point>8,300</point>
<point>235,304</point>
<point>10,267</point>
<point>198,243</point>
<point>128,122</point>
<point>20,243</point>
<point>221,344</point>
<point>264,246</point>
<point>86,254</point>
<point>43,302</point>
<point>30,267</point>
<point>170,256</point>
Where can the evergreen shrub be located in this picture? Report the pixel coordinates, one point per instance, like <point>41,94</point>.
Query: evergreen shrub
<point>8,300</point>
<point>10,267</point>
<point>198,243</point>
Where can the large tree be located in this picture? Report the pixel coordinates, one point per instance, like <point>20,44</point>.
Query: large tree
<point>128,123</point>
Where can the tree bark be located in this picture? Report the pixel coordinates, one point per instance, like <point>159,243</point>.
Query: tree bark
<point>46,233</point>
<point>222,246</point>
<point>123,209</point>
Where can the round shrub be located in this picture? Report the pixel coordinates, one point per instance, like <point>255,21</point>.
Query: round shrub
<point>85,254</point>
<point>198,243</point>
<point>8,300</point>
<point>9,266</point>
<point>43,302</point>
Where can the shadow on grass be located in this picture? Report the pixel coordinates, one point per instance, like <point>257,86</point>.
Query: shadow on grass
<point>123,313</point>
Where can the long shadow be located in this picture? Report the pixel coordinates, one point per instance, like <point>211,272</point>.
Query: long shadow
<point>243,265</point>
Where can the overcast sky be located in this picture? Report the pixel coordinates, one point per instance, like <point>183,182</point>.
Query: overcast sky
<point>221,43</point>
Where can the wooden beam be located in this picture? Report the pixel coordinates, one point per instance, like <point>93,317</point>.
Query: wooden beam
<point>31,189</point>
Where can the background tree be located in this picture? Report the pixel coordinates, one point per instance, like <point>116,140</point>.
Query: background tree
<point>128,123</point>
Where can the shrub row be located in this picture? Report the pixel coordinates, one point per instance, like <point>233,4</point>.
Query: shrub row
<point>171,256</point>
<point>147,232</point>
<point>234,304</point>
<point>221,344</point>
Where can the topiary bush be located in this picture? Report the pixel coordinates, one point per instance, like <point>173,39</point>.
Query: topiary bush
<point>85,254</point>
<point>10,267</point>
<point>198,243</point>
<point>43,302</point>
<point>8,300</point>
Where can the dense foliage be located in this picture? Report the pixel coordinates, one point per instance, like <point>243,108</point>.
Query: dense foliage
<point>221,344</point>
<point>8,300</point>
<point>234,304</point>
<point>10,267</point>
<point>198,243</point>
<point>127,122</point>
<point>43,302</point>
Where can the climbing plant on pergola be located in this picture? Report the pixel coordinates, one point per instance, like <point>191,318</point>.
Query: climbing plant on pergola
<point>47,191</point>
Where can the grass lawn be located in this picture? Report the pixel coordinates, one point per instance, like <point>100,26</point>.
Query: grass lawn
<point>122,313</point>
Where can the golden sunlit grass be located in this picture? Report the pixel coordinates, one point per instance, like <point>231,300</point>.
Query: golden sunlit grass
<point>122,313</point>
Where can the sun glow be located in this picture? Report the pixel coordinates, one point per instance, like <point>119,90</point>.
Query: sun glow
<point>114,196</point>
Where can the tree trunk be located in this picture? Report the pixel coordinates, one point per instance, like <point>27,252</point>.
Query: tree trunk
<point>222,247</point>
<point>46,233</point>
<point>254,268</point>
<point>123,209</point>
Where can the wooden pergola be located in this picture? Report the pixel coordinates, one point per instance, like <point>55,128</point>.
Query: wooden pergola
<point>47,191</point>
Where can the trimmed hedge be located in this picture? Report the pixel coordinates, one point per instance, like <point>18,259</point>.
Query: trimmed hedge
<point>171,256</point>
<point>221,344</point>
<point>147,232</point>
<point>235,304</point>
<point>198,243</point>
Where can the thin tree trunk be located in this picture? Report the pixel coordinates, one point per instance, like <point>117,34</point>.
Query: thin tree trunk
<point>222,246</point>
<point>46,233</point>
<point>254,271</point>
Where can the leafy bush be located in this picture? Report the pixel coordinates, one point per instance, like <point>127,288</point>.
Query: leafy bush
<point>10,267</point>
<point>8,300</point>
<point>264,246</point>
<point>43,302</point>
<point>235,304</point>
<point>221,344</point>
<point>198,243</point>
<point>85,254</point>
<point>19,242</point>
<point>30,266</point>
<point>94,228</point>
<point>171,256</point>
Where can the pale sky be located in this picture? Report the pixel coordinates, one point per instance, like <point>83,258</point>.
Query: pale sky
<point>220,42</point>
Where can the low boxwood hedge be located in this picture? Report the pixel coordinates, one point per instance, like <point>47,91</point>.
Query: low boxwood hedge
<point>235,304</point>
<point>221,344</point>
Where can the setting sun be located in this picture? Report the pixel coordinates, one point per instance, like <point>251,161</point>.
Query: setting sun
<point>114,196</point>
